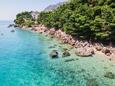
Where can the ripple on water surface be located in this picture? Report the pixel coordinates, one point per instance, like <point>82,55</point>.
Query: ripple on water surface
<point>25,61</point>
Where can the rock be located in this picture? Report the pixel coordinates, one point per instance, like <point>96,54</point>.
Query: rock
<point>113,50</point>
<point>65,49</point>
<point>92,82</point>
<point>91,50</point>
<point>52,31</point>
<point>69,60</point>
<point>106,50</point>
<point>24,27</point>
<point>84,52</point>
<point>64,41</point>
<point>109,75</point>
<point>54,54</point>
<point>15,26</point>
<point>52,37</point>
<point>12,30</point>
<point>85,44</point>
<point>51,47</point>
<point>98,48</point>
<point>108,54</point>
<point>33,29</point>
<point>65,54</point>
<point>72,42</point>
<point>11,25</point>
<point>2,34</point>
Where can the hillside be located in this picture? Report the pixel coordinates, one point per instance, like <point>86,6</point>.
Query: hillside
<point>53,7</point>
<point>92,20</point>
<point>85,19</point>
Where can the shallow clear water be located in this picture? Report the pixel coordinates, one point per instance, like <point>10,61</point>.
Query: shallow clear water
<point>24,61</point>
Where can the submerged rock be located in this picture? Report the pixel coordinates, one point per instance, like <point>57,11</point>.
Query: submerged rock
<point>54,54</point>
<point>109,75</point>
<point>69,60</point>
<point>11,25</point>
<point>92,82</point>
<point>65,49</point>
<point>12,30</point>
<point>2,34</point>
<point>65,54</point>
<point>51,47</point>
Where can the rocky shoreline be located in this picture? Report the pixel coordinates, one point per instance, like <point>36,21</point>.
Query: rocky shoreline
<point>83,48</point>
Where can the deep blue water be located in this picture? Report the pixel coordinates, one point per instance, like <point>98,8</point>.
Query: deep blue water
<point>24,61</point>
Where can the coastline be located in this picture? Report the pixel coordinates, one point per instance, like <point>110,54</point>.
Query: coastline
<point>72,68</point>
<point>83,48</point>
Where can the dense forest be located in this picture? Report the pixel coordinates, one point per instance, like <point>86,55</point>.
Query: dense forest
<point>92,20</point>
<point>24,19</point>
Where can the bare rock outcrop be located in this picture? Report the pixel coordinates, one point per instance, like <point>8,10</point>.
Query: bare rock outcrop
<point>83,48</point>
<point>52,31</point>
<point>84,52</point>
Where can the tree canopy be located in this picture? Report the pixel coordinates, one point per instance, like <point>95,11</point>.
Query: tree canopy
<point>24,19</point>
<point>84,19</point>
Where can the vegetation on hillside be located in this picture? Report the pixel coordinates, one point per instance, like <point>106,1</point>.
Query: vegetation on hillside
<point>85,19</point>
<point>24,19</point>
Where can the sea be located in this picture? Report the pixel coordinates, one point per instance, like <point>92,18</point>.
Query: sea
<point>25,61</point>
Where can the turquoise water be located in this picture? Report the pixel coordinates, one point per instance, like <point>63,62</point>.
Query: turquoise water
<point>25,61</point>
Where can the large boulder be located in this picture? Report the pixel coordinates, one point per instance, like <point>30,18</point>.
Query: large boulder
<point>65,54</point>
<point>54,54</point>
<point>91,50</point>
<point>12,30</point>
<point>92,82</point>
<point>84,52</point>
